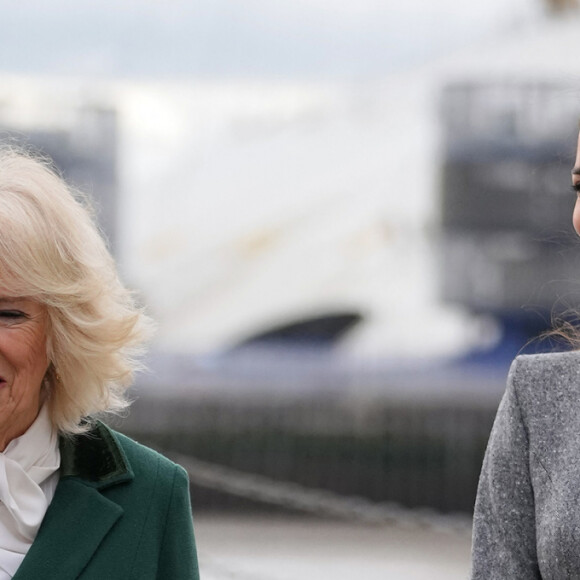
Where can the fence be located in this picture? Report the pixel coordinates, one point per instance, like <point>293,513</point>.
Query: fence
<point>412,436</point>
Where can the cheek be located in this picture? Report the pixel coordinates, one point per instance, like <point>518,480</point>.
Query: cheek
<point>576,217</point>
<point>38,360</point>
<point>28,355</point>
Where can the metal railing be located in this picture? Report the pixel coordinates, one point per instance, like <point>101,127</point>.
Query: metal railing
<point>410,435</point>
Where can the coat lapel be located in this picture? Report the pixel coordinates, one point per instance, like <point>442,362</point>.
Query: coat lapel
<point>77,520</point>
<point>79,516</point>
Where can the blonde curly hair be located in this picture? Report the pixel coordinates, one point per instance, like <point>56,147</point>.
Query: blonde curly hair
<point>51,251</point>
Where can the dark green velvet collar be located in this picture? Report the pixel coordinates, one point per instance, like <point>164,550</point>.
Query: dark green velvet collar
<point>95,457</point>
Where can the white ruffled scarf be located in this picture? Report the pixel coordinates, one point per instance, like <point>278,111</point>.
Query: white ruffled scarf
<point>28,479</point>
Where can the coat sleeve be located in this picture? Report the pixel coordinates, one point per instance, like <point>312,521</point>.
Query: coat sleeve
<point>178,557</point>
<point>504,534</point>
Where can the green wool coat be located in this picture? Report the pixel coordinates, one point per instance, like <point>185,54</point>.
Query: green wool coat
<point>120,511</point>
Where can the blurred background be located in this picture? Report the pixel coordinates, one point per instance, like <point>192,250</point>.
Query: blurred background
<point>347,218</point>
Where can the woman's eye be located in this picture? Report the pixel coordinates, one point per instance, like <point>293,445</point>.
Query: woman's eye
<point>12,314</point>
<point>576,187</point>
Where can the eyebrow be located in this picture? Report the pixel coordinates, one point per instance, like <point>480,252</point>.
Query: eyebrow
<point>7,300</point>
<point>11,299</point>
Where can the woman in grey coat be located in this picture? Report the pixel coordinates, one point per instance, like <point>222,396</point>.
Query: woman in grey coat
<point>527,513</point>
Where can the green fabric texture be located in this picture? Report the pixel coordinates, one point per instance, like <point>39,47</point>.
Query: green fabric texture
<point>120,511</point>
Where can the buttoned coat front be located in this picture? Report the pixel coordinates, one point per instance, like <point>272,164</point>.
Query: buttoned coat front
<point>527,512</point>
<point>120,511</point>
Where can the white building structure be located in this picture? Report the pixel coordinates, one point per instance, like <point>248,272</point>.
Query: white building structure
<point>249,205</point>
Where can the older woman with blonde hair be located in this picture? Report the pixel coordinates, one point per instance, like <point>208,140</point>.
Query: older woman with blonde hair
<point>77,499</point>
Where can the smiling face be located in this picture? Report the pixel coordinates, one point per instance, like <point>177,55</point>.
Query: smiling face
<point>23,364</point>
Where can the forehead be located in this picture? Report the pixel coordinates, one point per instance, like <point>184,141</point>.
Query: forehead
<point>14,282</point>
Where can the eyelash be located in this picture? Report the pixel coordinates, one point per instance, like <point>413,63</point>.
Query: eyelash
<point>12,314</point>
<point>576,187</point>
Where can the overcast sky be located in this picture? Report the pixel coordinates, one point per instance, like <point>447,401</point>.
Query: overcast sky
<point>258,38</point>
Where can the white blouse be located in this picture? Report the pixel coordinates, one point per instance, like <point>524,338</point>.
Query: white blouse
<point>28,478</point>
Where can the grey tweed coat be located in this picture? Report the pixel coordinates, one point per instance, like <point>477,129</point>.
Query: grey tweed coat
<point>527,513</point>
